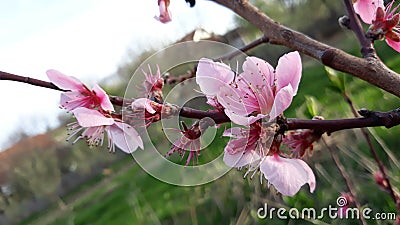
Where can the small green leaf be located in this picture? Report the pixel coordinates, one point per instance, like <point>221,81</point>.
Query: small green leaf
<point>337,79</point>
<point>312,106</point>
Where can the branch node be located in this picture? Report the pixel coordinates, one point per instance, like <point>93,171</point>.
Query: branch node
<point>328,56</point>
<point>365,112</point>
<point>287,34</point>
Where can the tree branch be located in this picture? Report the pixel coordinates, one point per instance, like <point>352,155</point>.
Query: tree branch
<point>28,80</point>
<point>369,69</point>
<point>178,79</point>
<point>369,119</point>
<point>367,49</point>
<point>116,100</point>
<point>245,48</point>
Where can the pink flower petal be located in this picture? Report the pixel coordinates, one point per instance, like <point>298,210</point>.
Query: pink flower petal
<point>91,118</point>
<point>240,159</point>
<point>105,102</point>
<point>282,101</point>
<point>213,101</point>
<point>394,44</point>
<point>125,137</point>
<point>143,103</point>
<point>68,96</point>
<point>243,120</point>
<point>288,71</point>
<point>256,82</point>
<point>64,82</point>
<point>233,99</point>
<point>287,175</point>
<point>244,139</point>
<point>367,9</point>
<point>211,76</point>
<point>311,177</point>
<point>258,71</point>
<point>182,142</point>
<point>255,93</point>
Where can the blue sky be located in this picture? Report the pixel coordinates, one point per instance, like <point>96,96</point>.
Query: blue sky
<point>86,39</point>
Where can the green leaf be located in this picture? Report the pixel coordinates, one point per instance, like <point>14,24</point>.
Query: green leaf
<point>312,106</point>
<point>337,79</point>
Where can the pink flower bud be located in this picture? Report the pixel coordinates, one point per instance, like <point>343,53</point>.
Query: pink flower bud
<point>165,14</point>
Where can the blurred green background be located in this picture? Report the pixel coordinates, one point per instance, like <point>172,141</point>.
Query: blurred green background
<point>50,181</point>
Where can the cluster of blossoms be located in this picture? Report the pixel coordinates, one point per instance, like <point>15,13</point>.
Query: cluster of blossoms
<point>94,113</point>
<point>383,20</point>
<point>151,108</point>
<point>254,99</point>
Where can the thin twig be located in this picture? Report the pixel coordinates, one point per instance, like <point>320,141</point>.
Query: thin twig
<point>346,178</point>
<point>372,150</point>
<point>367,49</point>
<point>40,83</point>
<point>192,73</point>
<point>178,79</point>
<point>245,48</point>
<point>28,80</point>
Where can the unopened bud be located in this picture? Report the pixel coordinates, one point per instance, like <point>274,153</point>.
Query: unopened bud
<point>344,22</point>
<point>380,180</point>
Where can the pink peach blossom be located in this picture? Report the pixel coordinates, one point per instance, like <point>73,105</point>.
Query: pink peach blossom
<point>367,9</point>
<point>96,125</point>
<point>185,144</point>
<point>248,148</point>
<point>146,111</point>
<point>241,151</point>
<point>153,85</point>
<point>260,92</point>
<point>165,14</point>
<point>78,94</point>
<point>299,141</point>
<point>143,104</point>
<point>188,142</point>
<point>386,25</point>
